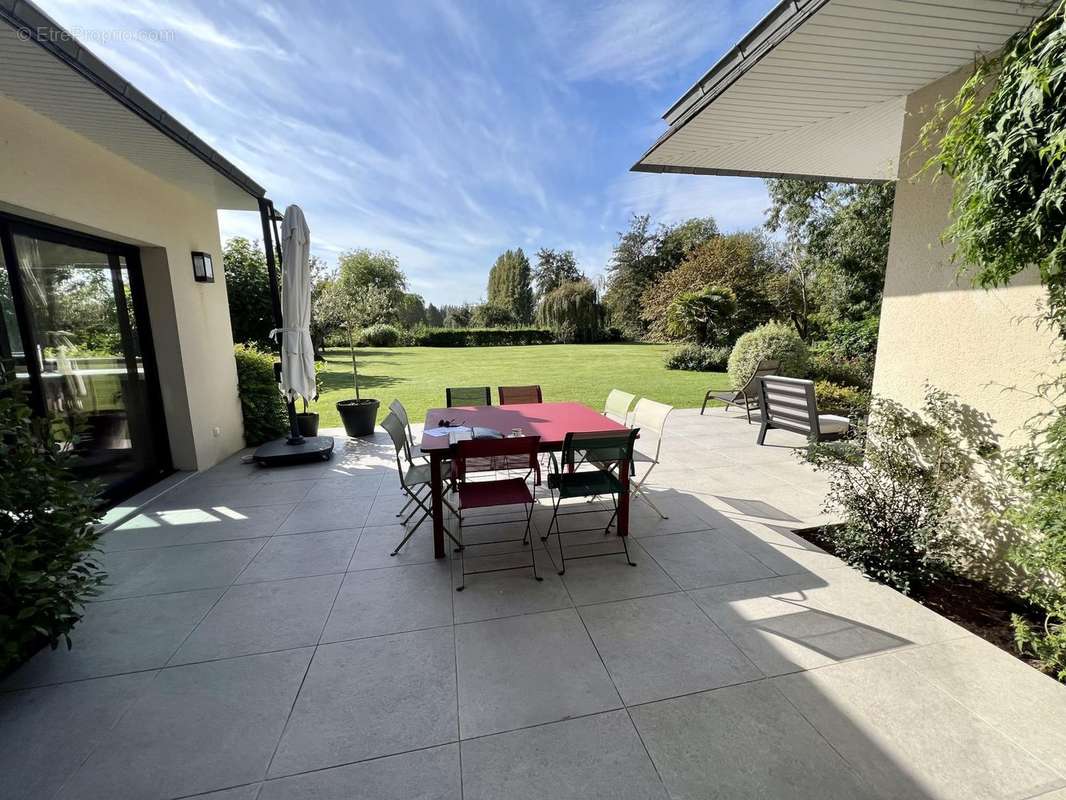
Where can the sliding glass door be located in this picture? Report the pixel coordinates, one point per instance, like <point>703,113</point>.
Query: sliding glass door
<point>75,327</point>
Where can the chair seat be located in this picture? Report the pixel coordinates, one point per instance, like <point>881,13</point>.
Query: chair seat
<point>831,423</point>
<point>583,484</point>
<point>734,399</point>
<point>420,473</point>
<point>505,492</point>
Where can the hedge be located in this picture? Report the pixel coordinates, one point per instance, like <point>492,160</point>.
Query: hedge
<point>261,403</point>
<point>480,337</point>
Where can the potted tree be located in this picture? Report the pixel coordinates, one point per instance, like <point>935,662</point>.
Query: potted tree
<point>354,309</point>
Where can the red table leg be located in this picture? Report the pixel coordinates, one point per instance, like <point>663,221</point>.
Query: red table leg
<point>623,498</point>
<point>436,486</point>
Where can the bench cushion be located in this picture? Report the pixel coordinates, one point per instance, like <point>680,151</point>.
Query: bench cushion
<point>831,423</point>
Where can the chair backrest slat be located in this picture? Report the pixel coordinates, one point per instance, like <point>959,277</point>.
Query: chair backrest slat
<point>617,405</point>
<point>766,366</point>
<point>513,395</point>
<point>468,396</point>
<point>789,403</point>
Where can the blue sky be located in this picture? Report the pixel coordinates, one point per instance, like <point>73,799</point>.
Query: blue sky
<point>445,132</point>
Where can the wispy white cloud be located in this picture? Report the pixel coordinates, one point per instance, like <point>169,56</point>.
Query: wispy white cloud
<point>441,131</point>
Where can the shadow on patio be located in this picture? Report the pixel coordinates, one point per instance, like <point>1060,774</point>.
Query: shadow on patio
<point>256,637</point>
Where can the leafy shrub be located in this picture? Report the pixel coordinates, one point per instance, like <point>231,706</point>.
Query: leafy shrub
<point>774,340</point>
<point>572,312</point>
<point>262,405</point>
<point>381,335</point>
<point>823,366</point>
<point>846,401</point>
<point>704,316</point>
<point>740,262</point>
<point>47,536</point>
<point>1008,189</point>
<point>845,354</point>
<point>698,358</point>
<point>480,337</point>
<point>490,315</point>
<point>896,485</point>
<point>1040,466</point>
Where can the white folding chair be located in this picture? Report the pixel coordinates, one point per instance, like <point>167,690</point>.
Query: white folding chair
<point>650,417</point>
<point>617,406</point>
<point>396,407</point>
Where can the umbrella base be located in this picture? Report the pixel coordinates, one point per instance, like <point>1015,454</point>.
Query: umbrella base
<point>279,452</point>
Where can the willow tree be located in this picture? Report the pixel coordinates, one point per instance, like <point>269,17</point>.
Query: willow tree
<point>572,312</point>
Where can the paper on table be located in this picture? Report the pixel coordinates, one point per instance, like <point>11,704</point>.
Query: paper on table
<point>446,430</point>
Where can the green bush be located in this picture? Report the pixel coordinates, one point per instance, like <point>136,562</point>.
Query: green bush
<point>480,337</point>
<point>1041,468</point>
<point>896,484</point>
<point>845,401</point>
<point>698,358</point>
<point>845,354</point>
<point>857,373</point>
<point>490,315</point>
<point>261,403</point>
<point>381,335</point>
<point>774,340</point>
<point>47,536</point>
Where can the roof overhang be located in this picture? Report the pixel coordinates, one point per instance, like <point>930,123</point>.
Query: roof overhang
<point>818,88</point>
<point>43,67</point>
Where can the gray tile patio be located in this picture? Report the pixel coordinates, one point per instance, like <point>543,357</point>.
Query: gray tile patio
<point>258,641</point>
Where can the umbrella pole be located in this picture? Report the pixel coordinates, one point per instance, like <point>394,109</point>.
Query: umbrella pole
<point>266,215</point>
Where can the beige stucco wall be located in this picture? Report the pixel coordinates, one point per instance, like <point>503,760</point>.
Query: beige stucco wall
<point>936,327</point>
<point>52,174</point>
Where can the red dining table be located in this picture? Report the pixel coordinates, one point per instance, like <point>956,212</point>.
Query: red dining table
<point>550,421</point>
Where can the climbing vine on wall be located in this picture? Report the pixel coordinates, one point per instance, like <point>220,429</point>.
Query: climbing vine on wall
<point>1002,139</point>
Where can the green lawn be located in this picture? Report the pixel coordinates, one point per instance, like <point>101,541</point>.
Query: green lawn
<point>583,373</point>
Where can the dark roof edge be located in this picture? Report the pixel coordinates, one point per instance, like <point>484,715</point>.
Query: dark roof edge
<point>740,173</point>
<point>25,16</point>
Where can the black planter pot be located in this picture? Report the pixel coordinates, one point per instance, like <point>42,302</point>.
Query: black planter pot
<point>358,416</point>
<point>307,422</point>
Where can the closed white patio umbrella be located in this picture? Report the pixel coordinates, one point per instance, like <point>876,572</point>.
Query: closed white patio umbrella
<point>292,313</point>
<point>297,351</point>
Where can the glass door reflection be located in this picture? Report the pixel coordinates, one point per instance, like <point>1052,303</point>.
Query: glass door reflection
<point>89,357</point>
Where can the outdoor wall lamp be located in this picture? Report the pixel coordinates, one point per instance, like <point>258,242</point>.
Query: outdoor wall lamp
<point>202,268</point>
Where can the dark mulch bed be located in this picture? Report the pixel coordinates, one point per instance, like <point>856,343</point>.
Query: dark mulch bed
<point>983,611</point>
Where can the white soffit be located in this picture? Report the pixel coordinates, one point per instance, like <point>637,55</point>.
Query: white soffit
<point>818,88</point>
<point>32,76</point>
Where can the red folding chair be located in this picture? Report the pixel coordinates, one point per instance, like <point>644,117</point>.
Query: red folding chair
<point>496,492</point>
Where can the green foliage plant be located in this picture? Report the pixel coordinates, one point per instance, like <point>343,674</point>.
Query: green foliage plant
<point>572,312</point>
<point>48,533</point>
<point>703,316</point>
<point>896,485</point>
<point>778,341</point>
<point>262,405</point>
<point>845,401</point>
<point>698,358</point>
<point>381,335</point>
<point>480,337</point>
<point>510,286</point>
<point>1002,141</point>
<point>251,310</point>
<point>492,315</point>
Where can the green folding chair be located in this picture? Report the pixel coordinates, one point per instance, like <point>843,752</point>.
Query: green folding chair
<point>604,452</point>
<point>468,396</point>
